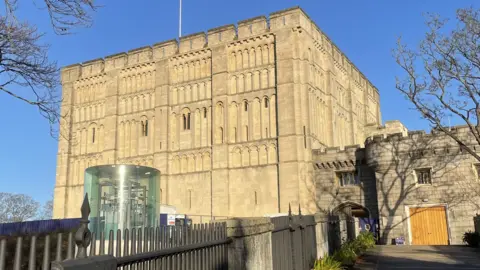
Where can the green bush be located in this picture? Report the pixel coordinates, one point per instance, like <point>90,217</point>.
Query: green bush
<point>364,241</point>
<point>472,239</point>
<point>349,251</point>
<point>327,263</point>
<point>346,254</point>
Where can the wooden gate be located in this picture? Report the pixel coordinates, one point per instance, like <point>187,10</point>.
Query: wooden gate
<point>429,225</point>
<point>294,242</point>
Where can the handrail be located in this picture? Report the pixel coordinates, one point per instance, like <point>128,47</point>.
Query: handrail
<point>126,260</point>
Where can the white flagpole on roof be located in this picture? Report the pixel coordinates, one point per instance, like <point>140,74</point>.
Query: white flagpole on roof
<point>180,21</point>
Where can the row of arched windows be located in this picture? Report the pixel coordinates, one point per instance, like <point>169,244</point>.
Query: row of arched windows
<point>253,155</point>
<point>191,70</point>
<point>130,83</point>
<point>191,163</point>
<point>318,112</point>
<point>90,112</point>
<point>136,103</point>
<point>255,80</point>
<point>252,120</point>
<point>343,128</point>
<point>191,92</point>
<point>89,139</point>
<point>79,165</point>
<point>251,57</point>
<point>190,129</point>
<point>89,91</point>
<point>135,137</point>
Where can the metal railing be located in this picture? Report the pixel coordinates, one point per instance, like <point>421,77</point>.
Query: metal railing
<point>201,246</point>
<point>35,244</point>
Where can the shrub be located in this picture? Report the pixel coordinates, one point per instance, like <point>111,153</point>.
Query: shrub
<point>364,241</point>
<point>346,254</point>
<point>327,263</point>
<point>472,239</point>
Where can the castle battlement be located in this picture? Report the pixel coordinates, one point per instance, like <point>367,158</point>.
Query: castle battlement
<point>289,18</point>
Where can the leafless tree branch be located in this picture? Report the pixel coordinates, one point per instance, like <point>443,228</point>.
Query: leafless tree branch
<point>442,74</point>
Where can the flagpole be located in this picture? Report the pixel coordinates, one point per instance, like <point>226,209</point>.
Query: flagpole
<point>180,21</point>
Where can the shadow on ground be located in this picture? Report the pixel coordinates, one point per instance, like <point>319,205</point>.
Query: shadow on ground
<point>420,257</point>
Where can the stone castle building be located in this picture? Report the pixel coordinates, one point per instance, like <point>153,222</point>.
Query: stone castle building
<point>229,117</point>
<point>245,120</point>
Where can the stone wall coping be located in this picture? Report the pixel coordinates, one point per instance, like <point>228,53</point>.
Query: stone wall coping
<point>241,227</point>
<point>321,217</point>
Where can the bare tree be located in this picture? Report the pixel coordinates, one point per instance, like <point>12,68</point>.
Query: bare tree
<point>26,73</point>
<point>46,211</point>
<point>17,207</point>
<point>442,74</point>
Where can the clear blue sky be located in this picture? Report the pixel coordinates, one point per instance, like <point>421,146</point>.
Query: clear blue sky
<point>365,30</point>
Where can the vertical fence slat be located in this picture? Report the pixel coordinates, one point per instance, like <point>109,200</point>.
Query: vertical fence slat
<point>139,246</point>
<point>162,246</point>
<point>58,256</point>
<point>118,250</point>
<point>202,251</point>
<point>188,240</point>
<point>146,237</point>
<point>31,257</point>
<point>110,242</point>
<point>93,245</point>
<point>46,254</point>
<point>70,246</point>
<point>17,264</point>
<point>102,243</point>
<point>3,250</point>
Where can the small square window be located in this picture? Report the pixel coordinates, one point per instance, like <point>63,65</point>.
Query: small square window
<point>348,178</point>
<point>424,176</point>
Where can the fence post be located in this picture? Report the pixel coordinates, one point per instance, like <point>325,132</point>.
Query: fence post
<point>83,235</point>
<point>251,246</point>
<point>321,232</point>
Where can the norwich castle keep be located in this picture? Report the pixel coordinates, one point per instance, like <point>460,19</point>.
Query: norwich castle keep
<point>244,120</point>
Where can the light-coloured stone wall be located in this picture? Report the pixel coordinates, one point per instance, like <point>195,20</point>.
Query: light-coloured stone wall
<point>389,185</point>
<point>455,183</point>
<point>229,123</point>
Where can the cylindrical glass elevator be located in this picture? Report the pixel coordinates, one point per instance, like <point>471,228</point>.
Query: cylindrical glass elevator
<point>122,197</point>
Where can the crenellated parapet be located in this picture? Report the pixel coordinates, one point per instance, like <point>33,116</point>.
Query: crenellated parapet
<point>337,159</point>
<point>250,30</point>
<point>381,150</point>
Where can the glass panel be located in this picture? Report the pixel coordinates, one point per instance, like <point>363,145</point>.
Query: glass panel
<point>122,196</point>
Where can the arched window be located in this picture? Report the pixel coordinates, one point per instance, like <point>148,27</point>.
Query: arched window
<point>186,121</point>
<point>266,103</point>
<point>145,128</point>
<point>204,112</point>
<point>93,135</point>
<point>245,106</point>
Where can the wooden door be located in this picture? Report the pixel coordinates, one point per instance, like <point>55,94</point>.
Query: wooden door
<point>429,226</point>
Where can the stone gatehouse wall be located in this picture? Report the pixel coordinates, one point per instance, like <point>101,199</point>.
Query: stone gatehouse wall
<point>388,167</point>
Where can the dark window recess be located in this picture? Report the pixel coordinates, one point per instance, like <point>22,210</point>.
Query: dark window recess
<point>93,135</point>
<point>424,176</point>
<point>245,106</point>
<point>204,113</point>
<point>266,103</point>
<point>348,178</point>
<point>145,128</point>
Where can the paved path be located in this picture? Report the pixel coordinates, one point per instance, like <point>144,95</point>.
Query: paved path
<point>420,257</point>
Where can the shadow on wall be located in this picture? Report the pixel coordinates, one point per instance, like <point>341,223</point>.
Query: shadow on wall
<point>400,164</point>
<point>395,165</point>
